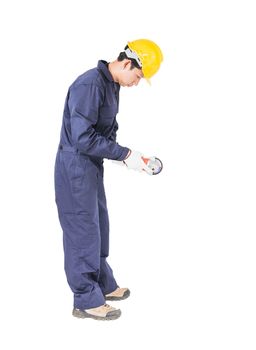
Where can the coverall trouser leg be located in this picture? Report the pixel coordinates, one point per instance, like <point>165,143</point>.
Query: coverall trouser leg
<point>83,215</point>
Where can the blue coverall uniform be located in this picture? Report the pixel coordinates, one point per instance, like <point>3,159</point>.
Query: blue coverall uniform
<point>88,135</point>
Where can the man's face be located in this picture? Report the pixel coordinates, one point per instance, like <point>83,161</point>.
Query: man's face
<point>129,77</point>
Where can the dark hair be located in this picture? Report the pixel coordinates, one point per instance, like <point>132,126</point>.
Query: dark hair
<point>122,56</point>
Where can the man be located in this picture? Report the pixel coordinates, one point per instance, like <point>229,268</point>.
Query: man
<point>88,135</point>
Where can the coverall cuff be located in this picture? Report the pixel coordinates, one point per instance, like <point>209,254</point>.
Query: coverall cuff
<point>124,153</point>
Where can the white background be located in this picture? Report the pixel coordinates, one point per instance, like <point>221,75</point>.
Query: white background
<point>183,241</point>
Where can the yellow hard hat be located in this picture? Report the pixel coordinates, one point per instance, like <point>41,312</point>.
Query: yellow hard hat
<point>149,54</point>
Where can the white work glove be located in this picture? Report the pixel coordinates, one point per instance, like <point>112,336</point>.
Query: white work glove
<point>135,161</point>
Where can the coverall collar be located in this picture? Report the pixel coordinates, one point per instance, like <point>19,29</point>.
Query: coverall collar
<point>103,66</point>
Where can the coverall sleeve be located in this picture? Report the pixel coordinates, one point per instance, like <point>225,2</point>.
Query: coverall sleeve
<point>84,104</point>
<point>113,135</point>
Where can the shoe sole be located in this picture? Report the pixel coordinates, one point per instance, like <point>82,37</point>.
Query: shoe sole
<point>125,296</point>
<point>112,315</point>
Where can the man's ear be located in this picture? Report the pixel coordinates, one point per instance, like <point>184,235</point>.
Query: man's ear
<point>126,64</point>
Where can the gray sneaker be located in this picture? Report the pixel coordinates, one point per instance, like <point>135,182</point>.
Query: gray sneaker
<point>103,312</point>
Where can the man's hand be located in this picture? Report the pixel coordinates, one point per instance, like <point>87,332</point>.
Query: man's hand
<point>135,161</point>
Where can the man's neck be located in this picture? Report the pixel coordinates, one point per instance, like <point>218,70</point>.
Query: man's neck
<point>112,69</point>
